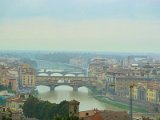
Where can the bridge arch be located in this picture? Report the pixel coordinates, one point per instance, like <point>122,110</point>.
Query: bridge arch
<point>59,86</point>
<point>56,74</point>
<point>48,70</point>
<point>81,75</point>
<point>42,74</point>
<point>44,88</point>
<point>74,81</point>
<point>70,74</point>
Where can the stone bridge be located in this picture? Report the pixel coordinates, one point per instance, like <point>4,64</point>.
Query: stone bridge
<point>63,73</point>
<point>73,81</point>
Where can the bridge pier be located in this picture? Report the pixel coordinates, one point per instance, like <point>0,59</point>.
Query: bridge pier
<point>52,87</point>
<point>75,88</point>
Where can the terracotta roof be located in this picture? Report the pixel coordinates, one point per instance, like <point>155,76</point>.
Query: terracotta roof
<point>87,113</point>
<point>97,116</point>
<point>114,115</point>
<point>105,115</point>
<point>16,99</point>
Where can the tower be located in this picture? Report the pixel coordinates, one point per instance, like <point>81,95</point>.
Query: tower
<point>74,108</point>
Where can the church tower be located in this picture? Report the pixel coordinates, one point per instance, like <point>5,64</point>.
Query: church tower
<point>74,108</point>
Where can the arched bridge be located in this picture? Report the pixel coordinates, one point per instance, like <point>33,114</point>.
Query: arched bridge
<point>63,73</point>
<point>73,81</point>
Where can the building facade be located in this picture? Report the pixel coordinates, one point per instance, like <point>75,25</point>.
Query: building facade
<point>27,76</point>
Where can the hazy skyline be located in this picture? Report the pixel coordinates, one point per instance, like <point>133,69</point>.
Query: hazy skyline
<point>80,25</point>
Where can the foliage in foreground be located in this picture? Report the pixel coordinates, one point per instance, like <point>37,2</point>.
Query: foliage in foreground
<point>66,118</point>
<point>44,110</point>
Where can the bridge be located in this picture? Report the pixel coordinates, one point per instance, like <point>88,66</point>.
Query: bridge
<point>43,64</point>
<point>133,58</point>
<point>63,73</point>
<point>73,81</point>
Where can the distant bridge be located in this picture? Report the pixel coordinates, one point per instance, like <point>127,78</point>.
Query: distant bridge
<point>73,81</point>
<point>63,73</point>
<point>41,64</point>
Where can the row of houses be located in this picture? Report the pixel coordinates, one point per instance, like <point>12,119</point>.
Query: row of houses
<point>118,79</point>
<point>8,77</point>
<point>21,76</point>
<point>142,90</point>
<point>145,91</point>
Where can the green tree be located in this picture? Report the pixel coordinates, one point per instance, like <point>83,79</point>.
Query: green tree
<point>44,110</point>
<point>66,118</point>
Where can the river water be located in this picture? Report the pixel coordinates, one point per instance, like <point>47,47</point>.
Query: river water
<point>61,93</point>
<point>87,101</point>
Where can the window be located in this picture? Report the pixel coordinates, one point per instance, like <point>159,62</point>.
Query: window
<point>87,114</point>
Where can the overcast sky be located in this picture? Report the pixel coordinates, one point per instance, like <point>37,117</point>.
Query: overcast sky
<point>80,25</point>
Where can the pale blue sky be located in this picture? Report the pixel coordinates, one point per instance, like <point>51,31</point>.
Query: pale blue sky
<point>105,25</point>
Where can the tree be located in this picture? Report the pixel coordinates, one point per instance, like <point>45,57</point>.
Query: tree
<point>66,118</point>
<point>44,110</point>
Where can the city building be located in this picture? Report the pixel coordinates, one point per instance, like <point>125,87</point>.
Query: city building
<point>12,83</point>
<point>78,61</point>
<point>16,103</point>
<point>27,76</point>
<point>145,92</point>
<point>97,68</point>
<point>3,74</point>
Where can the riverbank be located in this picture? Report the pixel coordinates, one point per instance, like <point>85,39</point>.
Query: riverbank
<point>118,104</point>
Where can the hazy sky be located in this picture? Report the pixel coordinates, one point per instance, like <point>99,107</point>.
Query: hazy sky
<point>80,25</point>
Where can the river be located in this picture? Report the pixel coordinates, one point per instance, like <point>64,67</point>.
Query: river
<point>87,101</point>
